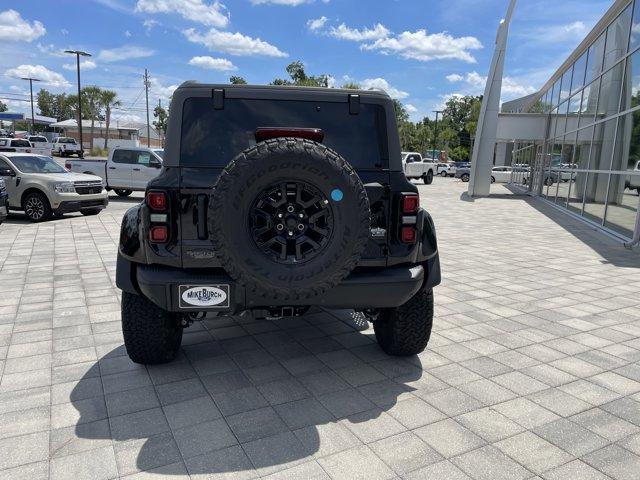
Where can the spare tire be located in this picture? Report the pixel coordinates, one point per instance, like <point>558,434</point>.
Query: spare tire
<point>289,219</point>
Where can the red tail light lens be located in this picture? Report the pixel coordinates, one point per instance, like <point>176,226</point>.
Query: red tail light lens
<point>410,203</point>
<point>157,201</point>
<point>265,133</point>
<point>408,234</point>
<point>67,166</point>
<point>158,234</point>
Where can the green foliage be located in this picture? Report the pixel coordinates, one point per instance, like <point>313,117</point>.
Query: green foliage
<point>236,80</point>
<point>300,78</point>
<point>3,106</point>
<point>161,117</point>
<point>60,106</point>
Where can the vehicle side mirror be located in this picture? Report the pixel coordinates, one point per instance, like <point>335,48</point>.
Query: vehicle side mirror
<point>153,163</point>
<point>7,172</point>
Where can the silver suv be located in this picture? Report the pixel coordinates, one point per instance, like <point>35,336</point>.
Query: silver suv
<point>42,188</point>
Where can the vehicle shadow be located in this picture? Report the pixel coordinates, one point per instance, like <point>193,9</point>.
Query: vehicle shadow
<point>288,432</point>
<point>131,199</point>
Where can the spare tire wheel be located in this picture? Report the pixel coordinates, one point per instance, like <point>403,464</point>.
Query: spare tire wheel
<point>289,218</point>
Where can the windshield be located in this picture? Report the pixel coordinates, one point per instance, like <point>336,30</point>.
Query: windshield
<point>38,139</point>
<point>37,164</point>
<point>160,153</point>
<point>66,140</point>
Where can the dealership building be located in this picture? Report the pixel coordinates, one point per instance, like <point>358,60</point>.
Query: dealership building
<point>576,142</point>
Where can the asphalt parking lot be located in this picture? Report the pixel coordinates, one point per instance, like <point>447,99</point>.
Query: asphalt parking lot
<point>533,370</point>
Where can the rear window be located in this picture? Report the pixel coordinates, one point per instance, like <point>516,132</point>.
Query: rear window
<point>212,138</point>
<point>66,140</point>
<point>20,143</point>
<point>38,139</point>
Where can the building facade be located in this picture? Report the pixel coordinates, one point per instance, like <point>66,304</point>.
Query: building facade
<point>588,160</point>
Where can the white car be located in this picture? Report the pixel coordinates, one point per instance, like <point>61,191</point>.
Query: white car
<point>67,146</point>
<point>416,167</point>
<point>501,174</point>
<point>633,181</point>
<point>126,170</point>
<point>42,143</point>
<point>446,169</point>
<point>19,145</point>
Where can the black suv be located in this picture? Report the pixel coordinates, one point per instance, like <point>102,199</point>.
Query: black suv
<point>275,199</point>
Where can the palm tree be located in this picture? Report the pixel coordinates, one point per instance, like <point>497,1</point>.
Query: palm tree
<point>108,99</point>
<point>93,99</point>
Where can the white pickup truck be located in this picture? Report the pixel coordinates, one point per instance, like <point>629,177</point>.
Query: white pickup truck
<point>126,170</point>
<point>41,142</point>
<point>67,146</point>
<point>633,181</point>
<point>417,167</point>
<point>21,145</point>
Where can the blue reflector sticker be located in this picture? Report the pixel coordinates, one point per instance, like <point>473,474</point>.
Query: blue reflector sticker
<point>336,195</point>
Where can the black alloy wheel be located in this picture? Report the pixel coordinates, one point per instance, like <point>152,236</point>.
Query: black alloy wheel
<point>291,222</point>
<point>36,207</point>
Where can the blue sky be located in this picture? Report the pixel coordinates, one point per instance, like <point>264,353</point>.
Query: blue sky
<point>420,51</point>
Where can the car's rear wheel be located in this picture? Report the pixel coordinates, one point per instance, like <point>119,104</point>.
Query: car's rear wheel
<point>464,177</point>
<point>443,173</point>
<point>151,335</point>
<point>428,178</point>
<point>493,179</point>
<point>122,193</point>
<point>406,330</point>
<point>36,207</point>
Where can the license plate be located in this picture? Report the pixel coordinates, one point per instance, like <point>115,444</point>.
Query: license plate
<point>204,296</point>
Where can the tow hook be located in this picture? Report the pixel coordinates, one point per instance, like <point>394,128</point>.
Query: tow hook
<point>187,320</point>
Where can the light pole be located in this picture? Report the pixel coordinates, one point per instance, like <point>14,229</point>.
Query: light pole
<point>33,120</point>
<point>78,54</point>
<point>435,136</point>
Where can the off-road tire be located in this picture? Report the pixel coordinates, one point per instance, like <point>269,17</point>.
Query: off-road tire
<point>428,178</point>
<point>406,330</point>
<point>289,160</point>
<point>46,208</point>
<point>90,212</point>
<point>122,193</point>
<point>151,335</point>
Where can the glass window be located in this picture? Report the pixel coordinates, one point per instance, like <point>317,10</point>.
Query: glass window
<point>213,137</point>
<point>578,73</point>
<point>562,119</point>
<point>574,109</point>
<point>555,98</point>
<point>583,147</point>
<point>565,89</point>
<point>631,94</point>
<point>603,141</point>
<point>617,38</point>
<point>37,164</point>
<point>576,192</point>
<point>634,40</point>
<point>609,100</point>
<point>125,156</point>
<point>595,196</point>
<point>594,59</point>
<point>627,153</point>
<point>589,103</point>
<point>144,158</point>
<point>622,206</point>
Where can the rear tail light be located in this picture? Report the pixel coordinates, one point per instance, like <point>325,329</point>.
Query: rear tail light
<point>67,166</point>
<point>410,203</point>
<point>265,133</point>
<point>408,234</point>
<point>159,234</point>
<point>157,201</point>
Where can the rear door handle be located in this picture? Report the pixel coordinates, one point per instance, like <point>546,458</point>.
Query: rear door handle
<point>136,169</point>
<point>112,168</point>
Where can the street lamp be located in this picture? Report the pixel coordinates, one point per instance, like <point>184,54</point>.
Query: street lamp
<point>78,54</point>
<point>435,136</point>
<point>33,120</point>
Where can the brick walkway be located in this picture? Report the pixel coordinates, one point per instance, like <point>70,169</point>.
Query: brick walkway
<point>533,368</point>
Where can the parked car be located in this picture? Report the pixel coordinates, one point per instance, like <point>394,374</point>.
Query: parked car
<point>416,167</point>
<point>446,169</point>
<point>4,200</point>
<point>127,169</point>
<point>463,172</point>
<point>633,181</point>
<point>41,188</point>
<point>549,177</point>
<point>20,145</point>
<point>501,174</point>
<point>66,146</point>
<point>249,216</point>
<point>41,143</point>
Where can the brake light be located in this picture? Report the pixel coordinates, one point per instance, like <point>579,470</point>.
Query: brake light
<point>67,166</point>
<point>158,234</point>
<point>157,201</point>
<point>266,133</point>
<point>410,203</point>
<point>408,234</point>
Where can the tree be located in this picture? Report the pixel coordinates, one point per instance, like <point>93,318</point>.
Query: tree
<point>59,106</point>
<point>459,114</point>
<point>108,99</point>
<point>236,80</point>
<point>351,86</point>
<point>300,78</point>
<point>162,116</point>
<point>93,96</point>
<point>3,106</point>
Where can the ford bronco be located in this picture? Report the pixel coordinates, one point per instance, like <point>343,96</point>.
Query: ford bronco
<point>273,199</point>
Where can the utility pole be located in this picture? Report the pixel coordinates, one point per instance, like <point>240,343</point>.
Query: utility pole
<point>146,92</point>
<point>78,54</point>
<point>33,119</point>
<point>435,136</point>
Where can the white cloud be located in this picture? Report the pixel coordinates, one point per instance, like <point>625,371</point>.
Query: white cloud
<point>212,14</point>
<point>233,43</point>
<point>158,90</point>
<point>14,28</point>
<point>84,65</point>
<point>124,53</point>
<point>426,47</point>
<point>40,72</point>
<point>410,108</point>
<point>454,77</point>
<point>127,33</point>
<point>149,24</point>
<point>382,84</point>
<point>290,3</point>
<point>343,32</point>
<point>316,23</point>
<point>473,84</point>
<point>64,31</point>
<point>569,32</point>
<point>51,50</point>
<point>221,64</point>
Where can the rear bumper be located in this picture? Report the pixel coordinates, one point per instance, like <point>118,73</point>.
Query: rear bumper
<point>364,288</point>
<point>4,207</point>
